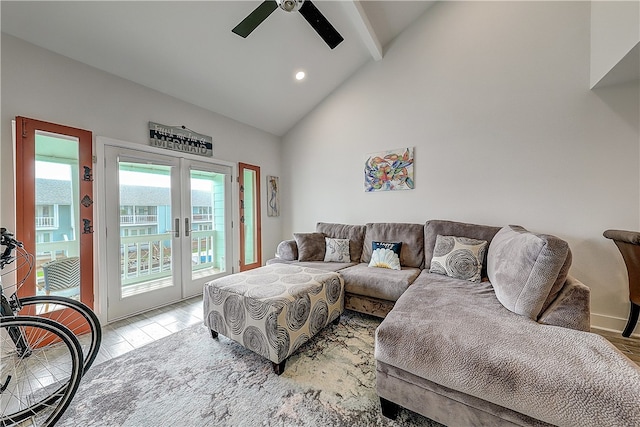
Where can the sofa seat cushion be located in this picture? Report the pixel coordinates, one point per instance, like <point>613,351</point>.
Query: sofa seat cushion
<point>457,334</point>
<point>381,283</point>
<point>320,265</point>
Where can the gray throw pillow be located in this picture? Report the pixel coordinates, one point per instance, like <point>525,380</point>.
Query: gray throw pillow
<point>458,257</point>
<point>311,246</point>
<point>524,267</point>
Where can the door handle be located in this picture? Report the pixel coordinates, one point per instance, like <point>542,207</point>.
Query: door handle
<point>187,229</point>
<point>176,231</point>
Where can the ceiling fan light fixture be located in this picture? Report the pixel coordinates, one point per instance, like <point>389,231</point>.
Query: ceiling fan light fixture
<point>290,5</point>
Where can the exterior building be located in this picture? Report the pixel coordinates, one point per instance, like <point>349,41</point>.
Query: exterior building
<point>55,217</point>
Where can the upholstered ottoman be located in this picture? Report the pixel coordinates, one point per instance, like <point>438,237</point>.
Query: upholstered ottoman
<point>273,310</point>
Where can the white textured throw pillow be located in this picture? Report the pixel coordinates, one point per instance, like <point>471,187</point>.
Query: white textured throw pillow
<point>458,257</point>
<point>337,250</point>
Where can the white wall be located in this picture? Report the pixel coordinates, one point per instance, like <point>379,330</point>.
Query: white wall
<point>43,85</point>
<point>615,31</point>
<point>495,98</point>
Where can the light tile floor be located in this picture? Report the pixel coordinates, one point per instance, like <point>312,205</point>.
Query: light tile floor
<point>125,335</point>
<point>134,332</point>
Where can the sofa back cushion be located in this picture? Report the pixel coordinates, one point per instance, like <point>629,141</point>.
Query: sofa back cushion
<point>527,269</point>
<point>410,235</point>
<point>458,229</point>
<point>355,234</point>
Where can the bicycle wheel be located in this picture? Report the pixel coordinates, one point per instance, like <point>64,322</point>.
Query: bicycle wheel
<point>39,384</point>
<point>76,316</point>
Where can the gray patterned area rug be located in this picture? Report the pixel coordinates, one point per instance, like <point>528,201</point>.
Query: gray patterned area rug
<point>190,379</point>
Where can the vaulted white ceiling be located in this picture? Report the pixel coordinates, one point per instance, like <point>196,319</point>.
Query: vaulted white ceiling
<point>186,49</point>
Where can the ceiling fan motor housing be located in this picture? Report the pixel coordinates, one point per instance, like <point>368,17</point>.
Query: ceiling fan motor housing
<point>290,5</point>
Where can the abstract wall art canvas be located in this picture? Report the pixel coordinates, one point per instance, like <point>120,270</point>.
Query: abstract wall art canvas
<point>389,170</point>
<point>273,196</point>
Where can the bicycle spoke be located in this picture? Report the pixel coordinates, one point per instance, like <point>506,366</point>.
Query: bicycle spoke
<point>44,382</point>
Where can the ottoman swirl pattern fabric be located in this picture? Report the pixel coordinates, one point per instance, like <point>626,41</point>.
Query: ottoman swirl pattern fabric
<point>273,310</point>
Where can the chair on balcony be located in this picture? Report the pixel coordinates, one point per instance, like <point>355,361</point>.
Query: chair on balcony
<point>61,274</point>
<point>628,242</point>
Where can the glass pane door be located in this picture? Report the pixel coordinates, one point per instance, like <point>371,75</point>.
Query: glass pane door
<point>171,218</point>
<point>207,219</point>
<point>143,231</point>
<point>249,218</point>
<point>57,221</point>
<point>250,226</point>
<point>145,227</point>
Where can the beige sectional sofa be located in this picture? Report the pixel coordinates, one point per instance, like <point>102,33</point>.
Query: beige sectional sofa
<point>366,290</point>
<point>510,348</point>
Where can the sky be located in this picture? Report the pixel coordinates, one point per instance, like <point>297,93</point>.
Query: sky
<point>60,171</point>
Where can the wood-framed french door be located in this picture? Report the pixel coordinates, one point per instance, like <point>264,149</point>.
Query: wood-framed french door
<point>250,217</point>
<point>168,226</point>
<point>54,206</point>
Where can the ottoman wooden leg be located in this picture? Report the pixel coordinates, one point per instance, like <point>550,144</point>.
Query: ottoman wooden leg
<point>278,368</point>
<point>214,334</point>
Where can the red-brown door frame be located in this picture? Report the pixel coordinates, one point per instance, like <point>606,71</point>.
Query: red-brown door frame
<point>25,198</point>
<point>258,222</point>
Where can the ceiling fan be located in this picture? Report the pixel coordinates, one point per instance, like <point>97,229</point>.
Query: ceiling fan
<point>307,9</point>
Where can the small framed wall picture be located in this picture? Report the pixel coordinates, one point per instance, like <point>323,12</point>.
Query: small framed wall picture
<point>273,196</point>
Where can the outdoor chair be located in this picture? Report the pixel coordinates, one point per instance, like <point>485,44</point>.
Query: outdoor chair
<point>61,274</point>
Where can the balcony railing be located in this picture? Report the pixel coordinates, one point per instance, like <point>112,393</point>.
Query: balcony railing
<point>201,217</point>
<point>46,222</point>
<point>138,219</point>
<point>147,258</point>
<point>144,258</point>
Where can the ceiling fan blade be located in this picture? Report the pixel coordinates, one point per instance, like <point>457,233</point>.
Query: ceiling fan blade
<point>320,24</point>
<point>255,18</point>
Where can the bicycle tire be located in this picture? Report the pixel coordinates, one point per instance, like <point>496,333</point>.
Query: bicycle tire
<point>26,392</point>
<point>89,349</point>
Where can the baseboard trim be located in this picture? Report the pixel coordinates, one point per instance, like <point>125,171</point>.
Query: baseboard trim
<point>611,323</point>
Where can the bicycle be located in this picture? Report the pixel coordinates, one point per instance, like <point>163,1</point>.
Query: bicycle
<point>39,384</point>
<point>46,316</point>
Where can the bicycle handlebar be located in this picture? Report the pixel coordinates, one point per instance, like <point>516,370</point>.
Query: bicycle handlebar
<point>6,239</point>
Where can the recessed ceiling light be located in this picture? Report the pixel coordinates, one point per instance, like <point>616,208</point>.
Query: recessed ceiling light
<point>300,75</point>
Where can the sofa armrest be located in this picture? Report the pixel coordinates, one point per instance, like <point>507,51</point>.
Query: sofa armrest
<point>287,250</point>
<point>571,308</point>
